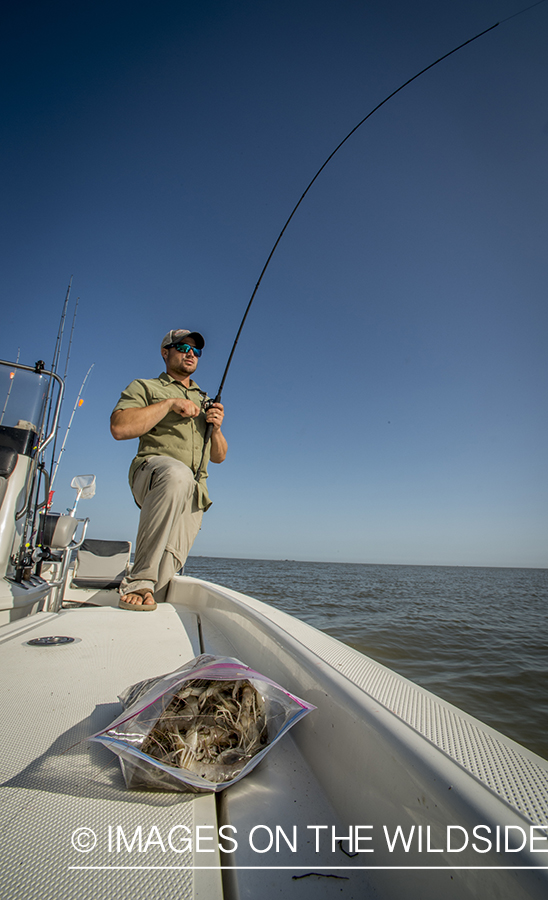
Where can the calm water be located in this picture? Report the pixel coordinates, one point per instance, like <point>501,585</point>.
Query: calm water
<point>476,637</point>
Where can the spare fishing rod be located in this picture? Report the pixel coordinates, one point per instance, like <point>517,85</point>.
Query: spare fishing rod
<point>209,403</point>
<point>42,470</point>
<point>57,351</point>
<point>41,466</point>
<point>77,405</point>
<point>67,360</point>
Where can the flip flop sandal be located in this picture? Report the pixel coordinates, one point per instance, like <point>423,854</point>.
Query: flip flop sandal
<point>137,607</point>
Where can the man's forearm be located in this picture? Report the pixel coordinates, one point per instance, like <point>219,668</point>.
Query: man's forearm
<point>219,446</point>
<point>136,421</point>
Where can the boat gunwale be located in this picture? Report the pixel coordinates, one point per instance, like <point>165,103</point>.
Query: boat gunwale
<point>515,775</point>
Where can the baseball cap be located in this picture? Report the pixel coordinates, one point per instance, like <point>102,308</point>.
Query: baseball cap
<point>177,335</point>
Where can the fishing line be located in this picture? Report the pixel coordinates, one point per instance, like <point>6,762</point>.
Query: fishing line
<point>209,428</point>
<point>520,11</point>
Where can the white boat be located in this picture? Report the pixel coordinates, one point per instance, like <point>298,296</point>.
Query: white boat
<point>383,791</point>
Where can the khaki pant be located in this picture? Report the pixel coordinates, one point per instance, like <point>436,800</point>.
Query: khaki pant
<point>165,490</point>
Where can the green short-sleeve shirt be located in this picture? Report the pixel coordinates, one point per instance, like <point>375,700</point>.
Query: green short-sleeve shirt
<point>174,436</point>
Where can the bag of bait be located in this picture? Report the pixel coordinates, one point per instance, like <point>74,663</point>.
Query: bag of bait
<point>202,727</point>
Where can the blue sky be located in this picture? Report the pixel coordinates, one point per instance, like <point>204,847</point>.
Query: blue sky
<point>387,400</point>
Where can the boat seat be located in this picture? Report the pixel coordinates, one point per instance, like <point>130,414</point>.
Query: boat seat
<point>8,461</point>
<point>101,565</point>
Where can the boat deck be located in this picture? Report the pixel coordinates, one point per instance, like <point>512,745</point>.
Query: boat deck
<point>67,815</point>
<point>56,782</point>
<point>378,753</point>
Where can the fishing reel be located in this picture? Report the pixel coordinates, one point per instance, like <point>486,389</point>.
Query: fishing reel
<point>206,404</point>
<point>23,562</point>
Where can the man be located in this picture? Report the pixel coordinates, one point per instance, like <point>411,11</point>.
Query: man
<point>166,414</point>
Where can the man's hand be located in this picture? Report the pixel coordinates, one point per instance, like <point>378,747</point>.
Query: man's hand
<point>186,408</point>
<point>137,420</point>
<point>215,415</point>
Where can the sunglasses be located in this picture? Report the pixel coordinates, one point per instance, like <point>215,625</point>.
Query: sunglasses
<point>185,348</point>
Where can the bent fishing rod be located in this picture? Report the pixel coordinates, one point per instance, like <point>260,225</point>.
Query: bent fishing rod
<point>209,403</point>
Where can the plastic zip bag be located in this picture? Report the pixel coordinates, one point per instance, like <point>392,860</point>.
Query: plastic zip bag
<point>202,727</point>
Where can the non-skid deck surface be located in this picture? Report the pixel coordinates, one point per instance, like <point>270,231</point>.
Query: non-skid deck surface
<point>67,818</point>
